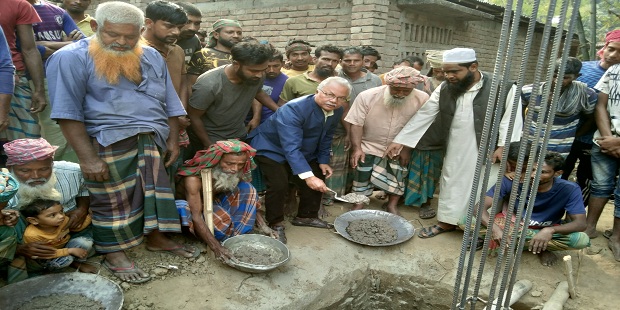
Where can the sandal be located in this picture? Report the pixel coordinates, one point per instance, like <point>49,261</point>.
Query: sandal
<point>479,244</point>
<point>607,233</point>
<point>174,250</point>
<point>311,222</point>
<point>116,271</point>
<point>427,212</point>
<point>428,232</point>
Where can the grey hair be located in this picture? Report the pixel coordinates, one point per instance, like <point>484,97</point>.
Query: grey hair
<point>117,12</point>
<point>337,80</point>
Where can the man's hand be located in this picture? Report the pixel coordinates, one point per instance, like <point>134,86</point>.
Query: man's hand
<point>95,169</point>
<point>38,103</point>
<point>36,250</point>
<point>184,122</point>
<point>222,254</point>
<point>327,170</point>
<point>357,156</point>
<point>393,150</point>
<point>497,155</point>
<point>77,252</point>
<point>539,242</point>
<point>76,217</point>
<point>497,233</point>
<point>73,36</point>
<point>171,154</point>
<point>8,217</point>
<point>405,157</point>
<point>252,124</point>
<point>316,184</point>
<point>609,145</point>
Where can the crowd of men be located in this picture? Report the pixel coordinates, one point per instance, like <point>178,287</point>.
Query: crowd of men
<point>108,122</point>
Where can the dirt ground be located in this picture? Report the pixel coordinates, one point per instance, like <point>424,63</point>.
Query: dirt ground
<point>328,272</point>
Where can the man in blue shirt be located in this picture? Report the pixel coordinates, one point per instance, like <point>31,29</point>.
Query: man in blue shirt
<point>555,197</point>
<point>117,107</point>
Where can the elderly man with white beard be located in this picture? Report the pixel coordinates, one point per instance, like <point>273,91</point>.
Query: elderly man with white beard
<point>235,200</point>
<point>376,117</point>
<point>31,162</point>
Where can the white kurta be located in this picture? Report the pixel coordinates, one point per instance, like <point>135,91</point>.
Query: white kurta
<point>459,163</point>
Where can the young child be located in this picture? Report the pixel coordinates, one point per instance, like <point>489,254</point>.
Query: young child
<point>49,224</point>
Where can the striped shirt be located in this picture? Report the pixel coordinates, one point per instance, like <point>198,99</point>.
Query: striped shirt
<point>70,184</point>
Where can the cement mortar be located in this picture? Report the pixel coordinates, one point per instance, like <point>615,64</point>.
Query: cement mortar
<point>372,231</point>
<point>61,301</point>
<point>256,254</point>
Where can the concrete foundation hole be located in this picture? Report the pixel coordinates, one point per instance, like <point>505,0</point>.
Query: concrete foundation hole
<point>374,290</point>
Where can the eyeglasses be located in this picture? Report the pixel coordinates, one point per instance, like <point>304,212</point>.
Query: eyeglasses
<point>332,96</point>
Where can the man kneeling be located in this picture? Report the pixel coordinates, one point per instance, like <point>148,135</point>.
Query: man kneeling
<point>235,200</point>
<point>546,231</point>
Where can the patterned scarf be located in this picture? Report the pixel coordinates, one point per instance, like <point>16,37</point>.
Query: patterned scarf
<point>211,157</point>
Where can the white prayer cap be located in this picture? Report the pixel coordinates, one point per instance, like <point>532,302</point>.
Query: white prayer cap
<point>459,55</point>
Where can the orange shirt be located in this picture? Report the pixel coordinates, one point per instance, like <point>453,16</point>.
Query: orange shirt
<point>58,238</point>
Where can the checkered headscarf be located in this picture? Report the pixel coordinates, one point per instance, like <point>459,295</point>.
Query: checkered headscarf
<point>403,77</point>
<point>211,157</point>
<point>22,151</point>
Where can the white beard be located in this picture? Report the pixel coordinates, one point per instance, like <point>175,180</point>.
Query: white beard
<point>392,102</point>
<point>224,181</point>
<point>27,194</point>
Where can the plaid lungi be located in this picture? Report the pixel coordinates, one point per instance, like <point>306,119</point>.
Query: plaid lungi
<point>559,242</point>
<point>423,176</point>
<point>340,164</point>
<point>8,244</point>
<point>137,198</point>
<point>234,213</point>
<point>258,181</point>
<point>22,123</point>
<point>382,173</point>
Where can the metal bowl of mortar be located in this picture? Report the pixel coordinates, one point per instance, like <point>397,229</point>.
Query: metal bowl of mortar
<point>260,244</point>
<point>404,229</point>
<point>88,285</point>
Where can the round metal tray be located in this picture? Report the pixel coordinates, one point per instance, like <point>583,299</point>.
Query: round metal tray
<point>258,240</point>
<point>403,227</point>
<point>90,285</point>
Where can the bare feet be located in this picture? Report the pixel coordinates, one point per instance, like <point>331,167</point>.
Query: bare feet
<point>118,264</point>
<point>85,267</point>
<point>157,241</point>
<point>547,258</point>
<point>591,232</point>
<point>357,206</point>
<point>392,209</point>
<point>615,249</point>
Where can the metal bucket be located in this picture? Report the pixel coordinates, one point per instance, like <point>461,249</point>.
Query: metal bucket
<point>403,227</point>
<point>89,285</point>
<point>258,240</point>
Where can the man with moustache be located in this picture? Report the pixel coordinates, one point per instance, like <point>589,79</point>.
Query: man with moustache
<point>117,107</point>
<point>235,200</point>
<point>76,9</point>
<point>293,144</point>
<point>188,40</point>
<point>225,34</point>
<point>31,162</point>
<point>327,59</point>
<point>461,103</point>
<point>298,55</point>
<point>376,116</point>
<point>222,97</point>
<point>371,56</point>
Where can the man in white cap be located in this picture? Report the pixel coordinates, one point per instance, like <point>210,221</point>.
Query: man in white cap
<point>461,103</point>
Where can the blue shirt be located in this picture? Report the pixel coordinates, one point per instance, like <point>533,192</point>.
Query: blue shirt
<point>54,22</point>
<point>550,206</point>
<point>7,69</point>
<point>112,113</point>
<point>273,88</point>
<point>591,72</point>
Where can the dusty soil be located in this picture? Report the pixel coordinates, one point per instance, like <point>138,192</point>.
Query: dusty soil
<point>356,198</point>
<point>62,301</point>
<point>327,271</point>
<point>256,254</point>
<point>375,231</point>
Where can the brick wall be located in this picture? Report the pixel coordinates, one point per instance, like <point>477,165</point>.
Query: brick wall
<point>394,31</point>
